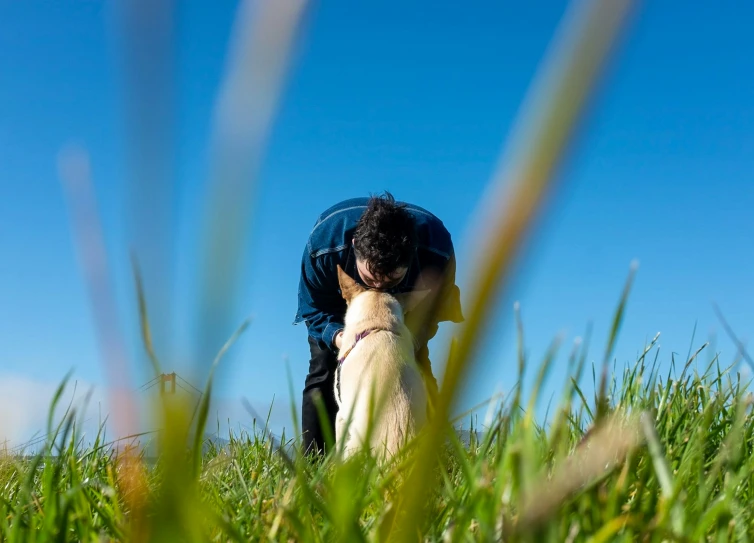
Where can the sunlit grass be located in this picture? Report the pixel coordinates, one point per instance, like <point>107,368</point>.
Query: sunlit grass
<point>672,460</point>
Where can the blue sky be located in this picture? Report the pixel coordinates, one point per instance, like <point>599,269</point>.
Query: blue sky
<point>403,96</point>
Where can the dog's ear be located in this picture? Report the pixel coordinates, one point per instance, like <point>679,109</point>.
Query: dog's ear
<point>409,300</point>
<point>349,288</point>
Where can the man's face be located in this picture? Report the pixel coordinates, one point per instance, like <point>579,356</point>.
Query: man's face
<point>380,282</point>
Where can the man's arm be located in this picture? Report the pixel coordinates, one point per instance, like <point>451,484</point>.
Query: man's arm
<point>320,304</point>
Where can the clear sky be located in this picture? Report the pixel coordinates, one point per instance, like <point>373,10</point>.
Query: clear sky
<point>415,98</point>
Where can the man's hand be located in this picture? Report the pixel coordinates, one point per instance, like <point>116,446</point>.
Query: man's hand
<point>339,339</point>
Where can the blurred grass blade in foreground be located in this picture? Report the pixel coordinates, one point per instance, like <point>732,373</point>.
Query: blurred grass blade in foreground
<point>88,238</point>
<point>248,98</point>
<point>75,171</point>
<point>575,59</point>
<point>147,59</point>
<point>606,448</point>
<point>263,39</point>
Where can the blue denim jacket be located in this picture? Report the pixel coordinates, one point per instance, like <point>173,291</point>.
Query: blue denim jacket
<point>320,304</point>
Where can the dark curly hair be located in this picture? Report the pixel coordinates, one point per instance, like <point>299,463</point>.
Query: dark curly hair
<point>385,237</point>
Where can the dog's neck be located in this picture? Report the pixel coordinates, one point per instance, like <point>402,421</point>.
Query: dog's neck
<point>361,335</point>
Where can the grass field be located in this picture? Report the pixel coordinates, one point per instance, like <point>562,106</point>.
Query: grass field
<point>666,459</point>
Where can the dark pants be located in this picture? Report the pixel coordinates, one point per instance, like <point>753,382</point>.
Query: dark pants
<point>320,382</point>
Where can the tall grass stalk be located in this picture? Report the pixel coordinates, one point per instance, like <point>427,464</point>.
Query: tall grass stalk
<point>575,60</point>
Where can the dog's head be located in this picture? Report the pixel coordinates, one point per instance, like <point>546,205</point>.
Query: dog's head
<point>375,301</point>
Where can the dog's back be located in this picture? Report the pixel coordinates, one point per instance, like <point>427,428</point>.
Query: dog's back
<point>380,384</point>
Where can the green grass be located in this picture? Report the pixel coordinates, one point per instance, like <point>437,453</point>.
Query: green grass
<point>670,459</point>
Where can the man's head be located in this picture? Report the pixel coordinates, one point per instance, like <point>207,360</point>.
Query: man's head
<point>374,302</point>
<point>384,242</point>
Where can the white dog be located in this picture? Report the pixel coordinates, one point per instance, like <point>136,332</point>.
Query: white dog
<point>378,380</point>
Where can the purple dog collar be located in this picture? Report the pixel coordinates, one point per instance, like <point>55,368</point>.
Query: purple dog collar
<point>359,337</point>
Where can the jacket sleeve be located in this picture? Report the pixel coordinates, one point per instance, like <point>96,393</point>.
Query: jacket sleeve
<point>320,304</point>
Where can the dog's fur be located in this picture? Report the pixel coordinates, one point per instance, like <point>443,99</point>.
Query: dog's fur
<point>380,377</point>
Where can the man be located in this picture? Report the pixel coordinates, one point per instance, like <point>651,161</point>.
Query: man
<point>385,245</point>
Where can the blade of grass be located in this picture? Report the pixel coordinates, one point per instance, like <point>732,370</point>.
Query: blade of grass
<point>146,335</point>
<point>577,55</point>
<point>261,49</point>
<point>662,471</point>
<point>206,396</point>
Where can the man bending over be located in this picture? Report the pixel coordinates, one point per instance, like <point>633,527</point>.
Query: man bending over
<point>382,244</point>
